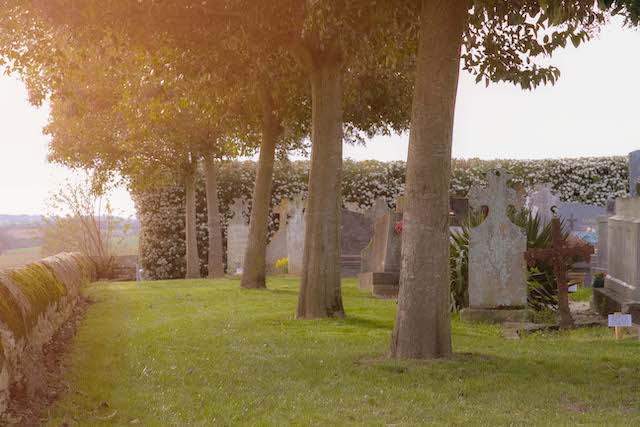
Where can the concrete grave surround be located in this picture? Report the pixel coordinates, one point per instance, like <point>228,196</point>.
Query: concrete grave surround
<point>237,237</point>
<point>622,283</point>
<point>541,199</point>
<point>497,268</point>
<point>295,235</point>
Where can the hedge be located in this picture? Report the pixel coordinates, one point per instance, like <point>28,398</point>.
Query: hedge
<point>161,213</point>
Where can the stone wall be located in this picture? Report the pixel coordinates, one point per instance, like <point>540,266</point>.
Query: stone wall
<point>35,301</point>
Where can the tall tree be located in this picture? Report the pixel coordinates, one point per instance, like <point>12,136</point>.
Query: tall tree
<point>498,41</point>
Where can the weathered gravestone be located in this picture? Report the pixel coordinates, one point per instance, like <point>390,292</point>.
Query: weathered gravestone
<point>381,258</point>
<point>634,172</point>
<point>237,237</point>
<point>540,201</point>
<point>295,236</point>
<point>497,269</point>
<point>277,248</point>
<point>621,292</point>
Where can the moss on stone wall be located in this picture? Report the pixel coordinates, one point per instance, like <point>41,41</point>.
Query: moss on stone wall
<point>41,286</point>
<point>10,312</point>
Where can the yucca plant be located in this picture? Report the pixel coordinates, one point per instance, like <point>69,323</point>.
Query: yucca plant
<point>540,279</point>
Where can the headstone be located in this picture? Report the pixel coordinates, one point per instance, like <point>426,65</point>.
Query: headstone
<point>634,172</point>
<point>378,209</point>
<point>541,200</point>
<point>381,258</point>
<point>621,292</point>
<point>237,238</point>
<point>497,268</point>
<point>295,235</point>
<point>277,248</point>
<point>375,212</point>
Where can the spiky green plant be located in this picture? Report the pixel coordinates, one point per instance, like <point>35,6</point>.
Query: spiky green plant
<point>540,278</point>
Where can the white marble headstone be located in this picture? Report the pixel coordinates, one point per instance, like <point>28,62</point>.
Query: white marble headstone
<point>237,237</point>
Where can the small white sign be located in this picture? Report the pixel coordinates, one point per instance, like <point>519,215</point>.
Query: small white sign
<point>620,320</point>
<point>573,288</point>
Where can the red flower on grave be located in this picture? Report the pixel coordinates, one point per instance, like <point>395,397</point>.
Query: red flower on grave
<point>399,227</point>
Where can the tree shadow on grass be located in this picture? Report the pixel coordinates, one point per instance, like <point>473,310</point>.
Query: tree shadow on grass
<point>368,323</point>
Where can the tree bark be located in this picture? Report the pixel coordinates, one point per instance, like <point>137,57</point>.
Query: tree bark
<point>216,266</point>
<point>423,325</point>
<point>193,259</point>
<point>254,270</point>
<point>320,292</point>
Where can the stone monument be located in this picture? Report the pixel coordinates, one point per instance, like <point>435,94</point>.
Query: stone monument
<point>381,259</point>
<point>237,238</point>
<point>497,268</point>
<point>295,235</point>
<point>540,201</point>
<point>621,292</point>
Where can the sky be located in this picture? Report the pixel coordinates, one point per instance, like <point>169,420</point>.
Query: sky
<point>594,110</point>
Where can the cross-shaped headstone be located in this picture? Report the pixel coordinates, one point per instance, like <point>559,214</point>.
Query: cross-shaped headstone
<point>556,256</point>
<point>282,210</point>
<point>238,210</point>
<point>497,196</point>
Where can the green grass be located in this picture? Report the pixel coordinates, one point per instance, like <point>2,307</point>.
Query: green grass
<point>206,353</point>
<point>583,295</point>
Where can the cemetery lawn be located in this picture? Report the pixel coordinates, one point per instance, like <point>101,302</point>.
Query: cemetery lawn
<point>206,353</point>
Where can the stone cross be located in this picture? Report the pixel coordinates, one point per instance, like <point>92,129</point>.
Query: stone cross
<point>238,212</point>
<point>541,200</point>
<point>497,271</point>
<point>497,196</point>
<point>557,256</point>
<point>237,238</point>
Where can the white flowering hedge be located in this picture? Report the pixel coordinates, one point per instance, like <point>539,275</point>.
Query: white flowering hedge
<point>161,213</point>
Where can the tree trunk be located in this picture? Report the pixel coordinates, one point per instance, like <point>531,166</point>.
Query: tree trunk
<point>254,270</point>
<point>423,325</point>
<point>216,266</point>
<point>320,292</point>
<point>193,259</point>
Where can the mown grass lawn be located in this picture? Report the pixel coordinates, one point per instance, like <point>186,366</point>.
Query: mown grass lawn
<point>206,353</point>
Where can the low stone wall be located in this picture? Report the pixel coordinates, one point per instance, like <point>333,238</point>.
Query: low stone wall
<point>35,301</point>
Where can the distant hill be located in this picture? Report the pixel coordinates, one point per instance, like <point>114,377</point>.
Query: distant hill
<point>7,220</point>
